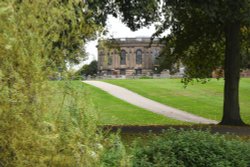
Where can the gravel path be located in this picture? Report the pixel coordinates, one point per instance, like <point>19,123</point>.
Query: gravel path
<point>149,104</point>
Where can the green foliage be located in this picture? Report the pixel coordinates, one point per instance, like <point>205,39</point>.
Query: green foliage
<point>245,47</point>
<point>77,141</point>
<point>77,26</point>
<point>145,77</point>
<point>88,69</point>
<point>135,13</point>
<point>114,154</point>
<point>35,128</point>
<point>191,148</point>
<point>245,61</point>
<point>72,128</point>
<point>22,85</point>
<point>197,38</point>
<point>205,36</point>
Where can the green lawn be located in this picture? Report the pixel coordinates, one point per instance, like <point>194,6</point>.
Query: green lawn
<point>201,99</point>
<point>113,111</point>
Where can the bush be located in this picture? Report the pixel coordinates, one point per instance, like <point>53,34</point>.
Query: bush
<point>41,124</point>
<point>145,77</point>
<point>191,148</point>
<point>78,141</point>
<point>114,153</point>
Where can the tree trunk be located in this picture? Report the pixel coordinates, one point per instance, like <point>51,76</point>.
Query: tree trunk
<point>231,110</point>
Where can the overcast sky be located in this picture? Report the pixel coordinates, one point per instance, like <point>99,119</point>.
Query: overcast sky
<point>117,30</point>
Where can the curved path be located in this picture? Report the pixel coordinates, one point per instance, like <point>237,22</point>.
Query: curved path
<point>149,104</point>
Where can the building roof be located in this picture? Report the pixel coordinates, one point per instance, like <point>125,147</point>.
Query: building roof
<point>137,39</point>
<point>132,41</point>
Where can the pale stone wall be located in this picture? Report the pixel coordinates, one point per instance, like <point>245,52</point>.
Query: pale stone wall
<point>130,45</point>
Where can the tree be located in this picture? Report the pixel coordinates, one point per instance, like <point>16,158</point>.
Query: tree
<point>245,48</point>
<point>92,70</point>
<point>245,60</point>
<point>88,69</point>
<point>205,35</point>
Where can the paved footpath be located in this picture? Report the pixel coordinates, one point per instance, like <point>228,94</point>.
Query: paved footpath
<point>149,104</point>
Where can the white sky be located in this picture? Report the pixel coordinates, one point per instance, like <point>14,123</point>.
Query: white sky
<point>117,30</point>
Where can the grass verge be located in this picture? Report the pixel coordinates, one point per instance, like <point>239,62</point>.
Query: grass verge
<point>113,111</point>
<point>205,100</point>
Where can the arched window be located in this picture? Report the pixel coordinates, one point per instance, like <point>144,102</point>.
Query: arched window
<point>123,57</point>
<point>109,59</point>
<point>138,56</point>
<point>155,56</point>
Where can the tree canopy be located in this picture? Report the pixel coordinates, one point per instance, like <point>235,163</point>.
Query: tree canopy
<point>205,35</point>
<point>88,69</point>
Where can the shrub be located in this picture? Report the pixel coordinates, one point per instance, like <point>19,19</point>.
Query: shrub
<point>114,154</point>
<point>79,142</point>
<point>145,77</point>
<point>191,148</point>
<point>42,125</point>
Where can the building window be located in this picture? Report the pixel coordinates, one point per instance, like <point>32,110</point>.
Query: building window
<point>138,72</point>
<point>138,56</point>
<point>122,71</point>
<point>155,56</point>
<point>101,58</point>
<point>109,60</point>
<point>123,57</point>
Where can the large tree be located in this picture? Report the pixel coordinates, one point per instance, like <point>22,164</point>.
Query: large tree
<point>205,35</point>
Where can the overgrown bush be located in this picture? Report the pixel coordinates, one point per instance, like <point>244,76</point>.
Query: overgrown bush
<point>43,123</point>
<point>114,154</point>
<point>191,148</point>
<point>77,140</point>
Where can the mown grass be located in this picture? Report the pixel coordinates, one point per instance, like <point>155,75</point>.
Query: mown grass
<point>113,111</point>
<point>201,99</point>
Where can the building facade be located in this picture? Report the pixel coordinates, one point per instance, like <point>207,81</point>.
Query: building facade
<point>129,56</point>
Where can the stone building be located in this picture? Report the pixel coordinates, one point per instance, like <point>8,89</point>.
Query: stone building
<point>128,56</point>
